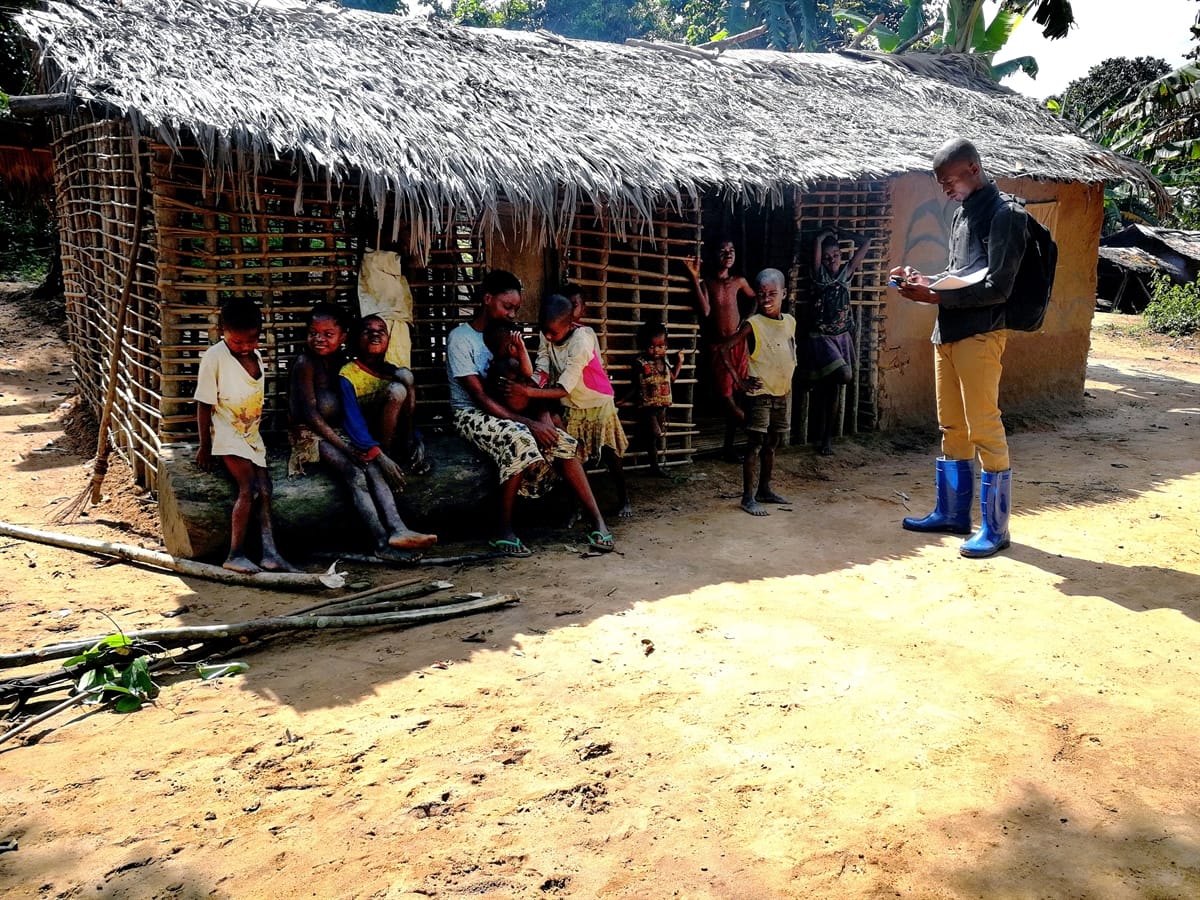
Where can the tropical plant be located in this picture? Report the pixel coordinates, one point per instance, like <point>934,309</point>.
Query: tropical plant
<point>127,685</point>
<point>1174,309</point>
<point>960,26</point>
<point>1111,77</point>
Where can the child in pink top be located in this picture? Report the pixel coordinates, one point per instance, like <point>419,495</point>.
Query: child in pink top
<point>569,369</point>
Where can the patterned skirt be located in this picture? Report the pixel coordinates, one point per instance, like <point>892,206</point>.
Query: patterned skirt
<point>596,428</point>
<point>513,448</point>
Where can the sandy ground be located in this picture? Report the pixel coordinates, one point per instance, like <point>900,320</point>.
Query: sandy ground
<point>814,704</point>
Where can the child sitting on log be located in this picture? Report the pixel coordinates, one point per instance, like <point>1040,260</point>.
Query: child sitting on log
<point>229,404</point>
<point>652,379</point>
<point>379,398</point>
<point>318,435</point>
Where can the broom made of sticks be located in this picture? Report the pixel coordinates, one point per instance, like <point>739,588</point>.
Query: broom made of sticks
<point>92,490</point>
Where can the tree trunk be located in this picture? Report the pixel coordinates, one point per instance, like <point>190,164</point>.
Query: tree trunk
<point>458,498</point>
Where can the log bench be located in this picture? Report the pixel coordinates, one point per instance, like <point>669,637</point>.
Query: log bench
<point>457,499</point>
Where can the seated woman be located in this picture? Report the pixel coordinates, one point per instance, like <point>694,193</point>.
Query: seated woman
<point>528,451</point>
<point>318,435</point>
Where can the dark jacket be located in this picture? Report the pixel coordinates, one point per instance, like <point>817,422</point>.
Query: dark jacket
<point>987,231</point>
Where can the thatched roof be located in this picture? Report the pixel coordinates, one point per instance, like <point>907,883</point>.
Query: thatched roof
<point>445,115</point>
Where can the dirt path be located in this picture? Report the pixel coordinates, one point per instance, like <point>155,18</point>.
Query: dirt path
<point>815,704</point>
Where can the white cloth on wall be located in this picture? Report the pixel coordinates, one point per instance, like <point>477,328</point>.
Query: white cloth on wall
<point>383,291</point>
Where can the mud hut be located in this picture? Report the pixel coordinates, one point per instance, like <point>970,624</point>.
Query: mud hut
<point>257,135</point>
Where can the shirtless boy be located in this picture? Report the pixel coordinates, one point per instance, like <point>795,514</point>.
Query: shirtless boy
<point>718,297</point>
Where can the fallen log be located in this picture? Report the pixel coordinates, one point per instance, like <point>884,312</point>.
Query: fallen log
<point>257,628</point>
<point>312,512</point>
<point>285,581</point>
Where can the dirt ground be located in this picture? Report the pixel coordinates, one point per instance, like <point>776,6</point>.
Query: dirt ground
<point>814,704</point>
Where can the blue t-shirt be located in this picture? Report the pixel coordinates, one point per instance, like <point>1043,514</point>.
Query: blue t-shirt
<point>466,354</point>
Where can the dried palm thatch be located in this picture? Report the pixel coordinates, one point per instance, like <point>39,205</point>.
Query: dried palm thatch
<point>451,118</point>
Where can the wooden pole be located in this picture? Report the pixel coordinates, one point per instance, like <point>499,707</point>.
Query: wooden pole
<point>287,581</point>
<point>255,628</point>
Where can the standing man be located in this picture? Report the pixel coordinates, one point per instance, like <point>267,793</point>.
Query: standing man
<point>987,241</point>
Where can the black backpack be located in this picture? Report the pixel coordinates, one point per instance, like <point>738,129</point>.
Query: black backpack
<point>1025,309</point>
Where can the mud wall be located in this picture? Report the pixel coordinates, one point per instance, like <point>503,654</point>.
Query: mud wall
<point>1043,370</point>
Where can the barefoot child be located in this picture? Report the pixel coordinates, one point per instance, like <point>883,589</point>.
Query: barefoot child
<point>570,370</point>
<point>229,402</point>
<point>652,380</point>
<point>317,435</point>
<point>718,297</point>
<point>770,336</point>
<point>380,398</point>
<point>832,336</point>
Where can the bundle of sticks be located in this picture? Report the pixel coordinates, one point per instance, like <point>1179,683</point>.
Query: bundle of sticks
<point>401,604</point>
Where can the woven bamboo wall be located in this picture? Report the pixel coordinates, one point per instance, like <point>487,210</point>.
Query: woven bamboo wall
<point>99,171</point>
<point>630,279</point>
<point>241,241</point>
<point>865,208</point>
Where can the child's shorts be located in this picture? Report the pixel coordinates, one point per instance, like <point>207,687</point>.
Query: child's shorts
<point>768,413</point>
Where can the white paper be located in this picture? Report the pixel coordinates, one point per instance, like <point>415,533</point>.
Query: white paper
<point>953,282</point>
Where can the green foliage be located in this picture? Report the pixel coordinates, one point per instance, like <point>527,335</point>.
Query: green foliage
<point>27,240</point>
<point>1112,77</point>
<point>127,687</point>
<point>1174,309</point>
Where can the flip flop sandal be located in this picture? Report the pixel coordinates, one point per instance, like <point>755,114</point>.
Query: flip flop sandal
<point>515,549</point>
<point>601,541</point>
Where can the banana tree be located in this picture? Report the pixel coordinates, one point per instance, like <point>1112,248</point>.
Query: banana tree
<point>1157,124</point>
<point>960,26</point>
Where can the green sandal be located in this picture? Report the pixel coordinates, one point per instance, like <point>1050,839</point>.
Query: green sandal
<point>602,541</point>
<point>515,549</point>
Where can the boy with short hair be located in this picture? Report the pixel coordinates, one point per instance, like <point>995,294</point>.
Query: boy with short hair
<point>770,338</point>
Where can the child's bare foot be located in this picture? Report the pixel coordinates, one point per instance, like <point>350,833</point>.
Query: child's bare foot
<point>240,564</point>
<point>411,540</point>
<point>660,473</point>
<point>750,505</point>
<point>390,554</point>
<point>625,511</point>
<point>766,495</point>
<point>826,449</point>
<point>276,563</point>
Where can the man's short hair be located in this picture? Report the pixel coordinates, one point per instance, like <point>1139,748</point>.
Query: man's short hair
<point>956,150</point>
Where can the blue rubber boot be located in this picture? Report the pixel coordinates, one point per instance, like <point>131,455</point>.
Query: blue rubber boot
<point>955,491</point>
<point>995,497</point>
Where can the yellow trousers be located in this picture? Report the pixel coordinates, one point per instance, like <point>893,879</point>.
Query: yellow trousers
<point>967,378</point>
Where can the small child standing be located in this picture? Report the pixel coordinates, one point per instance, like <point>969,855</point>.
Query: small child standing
<point>229,404</point>
<point>569,370</point>
<point>771,336</point>
<point>652,381</point>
